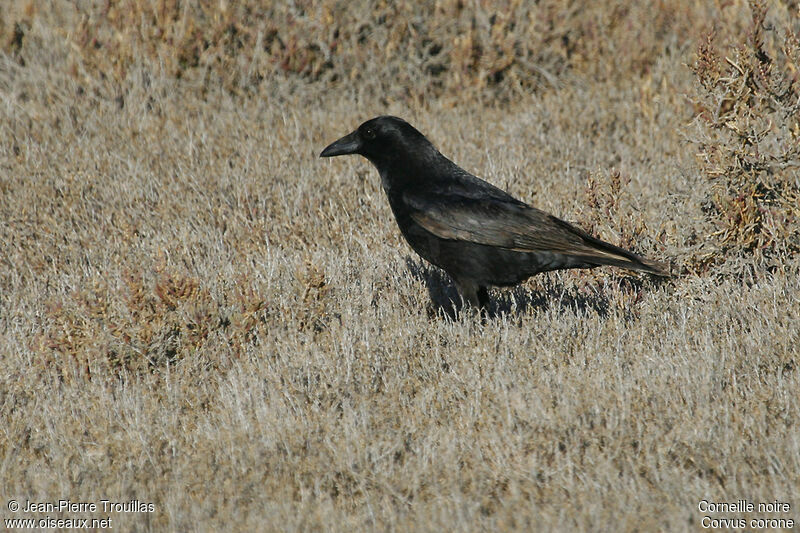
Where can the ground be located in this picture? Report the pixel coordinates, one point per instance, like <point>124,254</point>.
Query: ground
<point>200,314</point>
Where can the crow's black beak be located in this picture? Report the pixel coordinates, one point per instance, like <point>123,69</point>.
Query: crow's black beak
<point>349,144</point>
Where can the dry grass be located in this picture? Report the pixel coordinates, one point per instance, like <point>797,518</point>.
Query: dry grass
<point>199,313</point>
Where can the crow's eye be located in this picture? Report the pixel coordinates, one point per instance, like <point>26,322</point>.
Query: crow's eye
<point>369,133</point>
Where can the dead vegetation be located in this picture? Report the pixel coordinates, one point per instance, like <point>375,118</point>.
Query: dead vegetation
<point>445,49</point>
<point>748,118</point>
<point>198,312</point>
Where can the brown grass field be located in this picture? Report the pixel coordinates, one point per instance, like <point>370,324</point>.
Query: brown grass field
<point>198,313</point>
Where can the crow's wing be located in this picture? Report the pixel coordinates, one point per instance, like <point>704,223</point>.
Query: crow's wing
<point>515,226</point>
<point>493,223</point>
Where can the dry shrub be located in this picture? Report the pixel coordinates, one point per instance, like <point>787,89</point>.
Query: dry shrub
<point>143,328</point>
<point>608,211</point>
<point>15,22</point>
<point>407,51</point>
<point>748,119</point>
<point>316,297</point>
<point>160,316</point>
<point>609,207</point>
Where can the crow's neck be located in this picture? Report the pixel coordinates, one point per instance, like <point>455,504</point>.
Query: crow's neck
<point>412,169</point>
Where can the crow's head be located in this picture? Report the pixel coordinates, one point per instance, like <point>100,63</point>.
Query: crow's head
<point>382,140</point>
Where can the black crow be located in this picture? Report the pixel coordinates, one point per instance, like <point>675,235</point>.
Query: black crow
<point>477,233</point>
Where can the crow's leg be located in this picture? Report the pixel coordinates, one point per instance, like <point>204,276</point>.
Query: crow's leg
<point>468,290</point>
<point>483,297</point>
<point>473,294</point>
